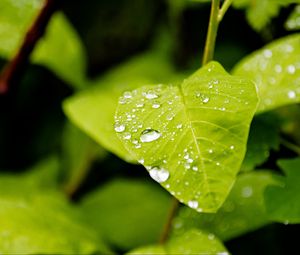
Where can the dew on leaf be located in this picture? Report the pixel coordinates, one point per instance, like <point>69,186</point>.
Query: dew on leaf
<point>127,136</point>
<point>119,127</point>
<point>291,69</point>
<point>150,95</point>
<point>140,105</point>
<point>292,94</point>
<point>159,174</point>
<point>155,105</point>
<point>195,168</point>
<point>278,68</point>
<point>267,53</point>
<point>127,94</point>
<point>149,135</point>
<point>193,204</point>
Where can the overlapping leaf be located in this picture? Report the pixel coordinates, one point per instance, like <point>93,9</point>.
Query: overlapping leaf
<point>276,71</point>
<point>127,213</point>
<point>259,13</point>
<point>242,212</point>
<point>192,242</point>
<point>63,54</point>
<point>191,138</point>
<point>283,201</point>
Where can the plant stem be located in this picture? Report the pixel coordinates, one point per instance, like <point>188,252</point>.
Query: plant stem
<point>212,32</point>
<point>224,9</point>
<point>15,68</point>
<point>168,225</point>
<point>293,147</point>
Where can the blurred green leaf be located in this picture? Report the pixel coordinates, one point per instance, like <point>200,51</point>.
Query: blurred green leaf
<point>243,211</point>
<point>276,70</point>
<point>192,139</point>
<point>93,110</point>
<point>127,213</point>
<point>191,242</point>
<point>79,152</point>
<point>263,137</point>
<point>60,49</point>
<point>260,12</point>
<point>293,21</point>
<point>36,219</point>
<point>282,201</point>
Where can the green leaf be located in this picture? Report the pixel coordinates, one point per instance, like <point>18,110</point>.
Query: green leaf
<point>63,54</point>
<point>259,13</point>
<point>127,213</point>
<point>36,219</point>
<point>79,152</point>
<point>276,70</point>
<point>61,51</point>
<point>191,138</point>
<point>263,137</point>
<point>282,201</point>
<point>93,110</point>
<point>192,242</point>
<point>243,211</point>
<point>293,21</point>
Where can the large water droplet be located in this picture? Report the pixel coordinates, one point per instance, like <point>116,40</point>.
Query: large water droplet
<point>291,69</point>
<point>193,204</point>
<point>150,95</point>
<point>159,174</point>
<point>119,127</point>
<point>127,136</point>
<point>149,135</point>
<point>127,94</point>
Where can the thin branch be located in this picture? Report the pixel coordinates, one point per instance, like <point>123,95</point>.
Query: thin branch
<point>212,32</point>
<point>167,227</point>
<point>224,9</point>
<point>14,69</point>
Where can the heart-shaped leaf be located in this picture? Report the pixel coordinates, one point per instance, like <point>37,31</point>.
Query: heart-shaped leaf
<point>192,139</point>
<point>276,71</point>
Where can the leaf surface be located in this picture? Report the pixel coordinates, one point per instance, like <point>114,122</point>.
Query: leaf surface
<point>127,213</point>
<point>191,138</point>
<point>282,201</point>
<point>276,71</point>
<point>192,242</point>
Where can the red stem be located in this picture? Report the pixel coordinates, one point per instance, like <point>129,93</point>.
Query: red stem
<point>14,69</point>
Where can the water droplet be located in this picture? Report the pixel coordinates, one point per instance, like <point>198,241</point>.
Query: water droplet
<point>195,168</point>
<point>247,191</point>
<point>291,69</point>
<point>211,236</point>
<point>140,105</point>
<point>155,105</point>
<point>138,145</point>
<point>141,161</point>
<point>127,94</point>
<point>150,95</point>
<point>170,116</point>
<point>187,166</point>
<point>179,126</point>
<point>159,174</point>
<point>127,136</point>
<point>292,94</point>
<point>268,53</point>
<point>119,127</point>
<point>168,186</point>
<point>122,100</point>
<point>210,151</point>
<point>231,147</point>
<point>205,100</point>
<point>149,135</point>
<point>193,204</point>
